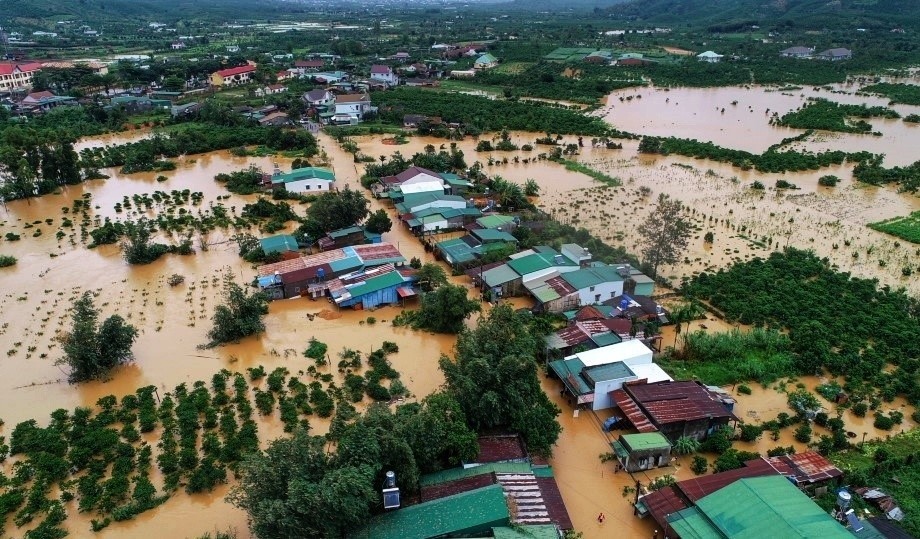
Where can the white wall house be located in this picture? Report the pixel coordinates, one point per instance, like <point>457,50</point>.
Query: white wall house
<point>385,74</point>
<point>15,75</point>
<point>595,284</point>
<point>609,367</point>
<point>307,180</point>
<point>354,105</point>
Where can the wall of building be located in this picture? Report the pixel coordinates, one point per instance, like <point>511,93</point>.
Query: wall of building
<point>604,290</point>
<point>648,459</point>
<point>602,398</point>
<point>308,186</point>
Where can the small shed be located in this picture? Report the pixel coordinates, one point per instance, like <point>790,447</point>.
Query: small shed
<point>642,451</point>
<point>282,243</point>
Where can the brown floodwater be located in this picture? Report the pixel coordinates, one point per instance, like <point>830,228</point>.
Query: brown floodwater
<point>38,291</point>
<point>708,114</point>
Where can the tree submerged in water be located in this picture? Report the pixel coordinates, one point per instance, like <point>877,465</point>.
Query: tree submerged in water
<point>240,316</point>
<point>90,350</point>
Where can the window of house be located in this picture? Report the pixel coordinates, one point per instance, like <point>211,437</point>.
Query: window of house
<point>592,289</point>
<point>597,298</point>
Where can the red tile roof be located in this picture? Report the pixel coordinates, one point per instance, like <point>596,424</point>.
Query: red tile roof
<point>704,485</point>
<point>377,251</point>
<point>554,503</point>
<point>501,448</point>
<point>674,402</point>
<point>309,63</point>
<point>632,411</point>
<point>664,502</point>
<point>236,71</point>
<point>560,286</point>
<point>7,68</point>
<point>352,98</point>
<point>443,490</point>
<point>378,69</point>
<point>807,467</point>
<point>589,313</point>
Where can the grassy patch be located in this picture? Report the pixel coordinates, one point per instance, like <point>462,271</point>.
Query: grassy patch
<point>906,227</point>
<point>575,166</point>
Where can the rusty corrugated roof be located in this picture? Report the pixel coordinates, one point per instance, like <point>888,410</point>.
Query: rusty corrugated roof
<point>632,411</point>
<point>673,402</point>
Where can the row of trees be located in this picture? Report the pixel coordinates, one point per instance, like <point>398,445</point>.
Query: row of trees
<point>770,161</point>
<point>849,326</point>
<point>832,116</point>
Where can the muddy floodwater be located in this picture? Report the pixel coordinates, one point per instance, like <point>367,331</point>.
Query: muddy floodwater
<point>173,321</point>
<point>739,118</point>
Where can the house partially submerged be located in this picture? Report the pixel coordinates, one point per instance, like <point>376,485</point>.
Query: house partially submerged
<point>351,108</point>
<point>540,263</point>
<point>675,409</point>
<point>307,180</point>
<point>373,287</point>
<point>310,275</point>
<point>642,451</point>
<point>345,237</point>
<point>594,377</point>
<point>752,507</point>
<point>279,244</point>
<point>668,502</point>
<point>797,52</point>
<point>467,249</point>
<point>835,55</point>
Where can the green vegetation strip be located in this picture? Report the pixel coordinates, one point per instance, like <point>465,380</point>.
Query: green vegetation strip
<point>906,227</point>
<point>846,325</point>
<point>487,114</point>
<point>831,116</point>
<point>575,166</point>
<point>908,94</point>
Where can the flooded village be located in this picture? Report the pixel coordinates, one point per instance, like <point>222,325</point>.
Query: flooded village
<point>679,411</point>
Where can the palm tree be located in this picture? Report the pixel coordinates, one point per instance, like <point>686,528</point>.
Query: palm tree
<point>685,446</point>
<point>684,314</point>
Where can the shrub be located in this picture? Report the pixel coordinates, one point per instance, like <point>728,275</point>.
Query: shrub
<point>758,185</point>
<point>803,433</point>
<point>699,465</point>
<point>7,261</point>
<point>883,422</point>
<point>743,389</point>
<point>783,184</point>
<point>829,180</point>
<point>750,433</point>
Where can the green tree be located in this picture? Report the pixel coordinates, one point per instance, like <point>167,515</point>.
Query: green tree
<point>239,316</point>
<point>137,247</point>
<point>699,465</point>
<point>437,432</point>
<point>295,489</point>
<point>494,378</point>
<point>665,232</point>
<point>431,276</point>
<point>531,187</point>
<point>91,351</point>
<point>379,222</point>
<point>335,210</point>
<point>445,309</point>
<point>685,445</point>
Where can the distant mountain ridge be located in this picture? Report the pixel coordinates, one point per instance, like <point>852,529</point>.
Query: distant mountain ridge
<point>790,12</point>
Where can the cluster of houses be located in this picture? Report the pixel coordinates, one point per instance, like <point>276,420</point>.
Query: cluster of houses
<point>832,55</point>
<point>504,494</point>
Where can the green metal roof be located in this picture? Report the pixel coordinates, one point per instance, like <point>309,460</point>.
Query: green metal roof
<point>690,523</point>
<point>393,278</point>
<point>475,511</point>
<point>455,181</point>
<point>453,474</point>
<point>533,531</point>
<point>308,173</point>
<point>569,371</point>
<point>537,262</point>
<point>646,440</point>
<point>494,221</point>
<point>491,234</point>
<point>593,276</point>
<point>458,250</point>
<point>605,339</point>
<point>342,232</point>
<point>486,58</point>
<point>608,371</point>
<point>343,265</point>
<point>500,275</point>
<point>758,506</point>
<point>278,244</point>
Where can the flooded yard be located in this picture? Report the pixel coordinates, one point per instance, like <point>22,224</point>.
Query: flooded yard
<point>173,321</point>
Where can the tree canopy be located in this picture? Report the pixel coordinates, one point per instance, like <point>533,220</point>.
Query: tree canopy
<point>90,350</point>
<point>334,210</point>
<point>494,377</point>
<point>445,309</point>
<point>239,316</point>
<point>665,233</point>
